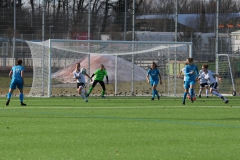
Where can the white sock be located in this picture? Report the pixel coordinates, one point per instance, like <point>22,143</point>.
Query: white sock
<point>200,91</point>
<point>83,96</point>
<point>216,94</point>
<point>83,91</point>
<point>206,92</point>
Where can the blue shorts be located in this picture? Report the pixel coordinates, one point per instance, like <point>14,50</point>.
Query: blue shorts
<point>152,83</point>
<point>187,84</point>
<point>16,83</point>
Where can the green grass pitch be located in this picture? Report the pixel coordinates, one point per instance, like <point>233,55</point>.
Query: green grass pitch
<point>126,128</point>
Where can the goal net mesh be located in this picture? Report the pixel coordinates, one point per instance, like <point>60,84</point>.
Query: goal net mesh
<point>229,70</point>
<point>126,63</point>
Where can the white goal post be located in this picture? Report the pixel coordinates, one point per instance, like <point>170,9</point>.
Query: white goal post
<point>228,68</point>
<point>126,63</point>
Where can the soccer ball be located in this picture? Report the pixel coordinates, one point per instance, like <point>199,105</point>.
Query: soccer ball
<point>83,71</point>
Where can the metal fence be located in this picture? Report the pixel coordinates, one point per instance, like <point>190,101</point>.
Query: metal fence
<point>199,25</point>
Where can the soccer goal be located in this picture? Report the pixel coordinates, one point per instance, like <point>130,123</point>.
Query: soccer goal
<point>126,62</point>
<point>229,69</point>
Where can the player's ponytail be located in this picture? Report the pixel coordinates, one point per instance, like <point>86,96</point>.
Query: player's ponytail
<point>156,66</point>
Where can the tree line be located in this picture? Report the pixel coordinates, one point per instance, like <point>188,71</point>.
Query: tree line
<point>71,16</point>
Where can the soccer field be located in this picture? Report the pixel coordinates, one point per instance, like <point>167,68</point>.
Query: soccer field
<point>129,128</point>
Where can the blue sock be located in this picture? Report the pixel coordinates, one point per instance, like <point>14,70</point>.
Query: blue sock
<point>184,96</point>
<point>21,97</point>
<point>9,95</point>
<point>156,92</point>
<point>191,92</point>
<point>153,93</point>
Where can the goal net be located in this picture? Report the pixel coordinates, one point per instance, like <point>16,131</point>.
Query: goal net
<point>126,62</point>
<point>229,70</point>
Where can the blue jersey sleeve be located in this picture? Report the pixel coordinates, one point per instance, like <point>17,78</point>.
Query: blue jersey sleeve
<point>187,70</point>
<point>148,72</point>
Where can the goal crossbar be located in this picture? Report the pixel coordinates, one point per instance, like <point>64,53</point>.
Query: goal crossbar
<point>112,51</point>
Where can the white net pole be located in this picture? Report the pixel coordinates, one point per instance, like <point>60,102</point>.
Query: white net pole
<point>190,50</point>
<point>168,78</point>
<point>230,68</point>
<point>132,90</point>
<point>42,64</point>
<point>228,63</point>
<point>175,72</point>
<point>89,34</point>
<point>116,75</point>
<point>50,67</point>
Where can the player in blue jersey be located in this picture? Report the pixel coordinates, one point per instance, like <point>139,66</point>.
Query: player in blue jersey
<point>191,72</point>
<point>182,72</point>
<point>153,77</point>
<point>17,80</point>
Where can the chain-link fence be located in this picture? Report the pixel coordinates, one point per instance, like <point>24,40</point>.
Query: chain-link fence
<point>196,21</point>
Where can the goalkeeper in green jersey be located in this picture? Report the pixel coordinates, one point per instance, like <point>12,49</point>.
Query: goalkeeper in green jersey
<point>99,76</point>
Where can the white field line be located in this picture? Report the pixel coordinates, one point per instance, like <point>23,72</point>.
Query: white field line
<point>160,107</point>
<point>167,99</point>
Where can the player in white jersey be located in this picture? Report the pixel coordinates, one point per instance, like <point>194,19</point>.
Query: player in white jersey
<point>203,84</point>
<point>80,78</point>
<point>182,72</point>
<point>209,76</point>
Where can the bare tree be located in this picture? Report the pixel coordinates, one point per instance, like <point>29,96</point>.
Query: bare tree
<point>146,7</point>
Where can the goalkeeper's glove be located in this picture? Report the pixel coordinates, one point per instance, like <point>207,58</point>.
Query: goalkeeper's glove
<point>107,82</point>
